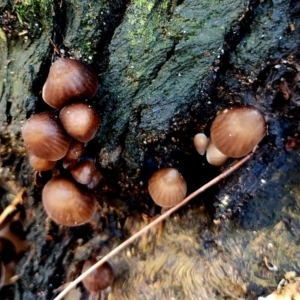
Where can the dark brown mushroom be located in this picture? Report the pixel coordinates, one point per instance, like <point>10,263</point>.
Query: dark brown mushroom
<point>80,120</point>
<point>236,131</point>
<point>45,137</point>
<point>66,203</point>
<point>167,187</point>
<point>84,171</point>
<point>74,152</point>
<point>69,80</point>
<point>97,177</point>
<point>99,279</point>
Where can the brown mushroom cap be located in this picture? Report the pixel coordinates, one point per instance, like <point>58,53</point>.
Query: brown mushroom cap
<point>45,137</point>
<point>69,80</point>
<point>80,120</point>
<point>167,187</point>
<point>84,171</point>
<point>66,203</point>
<point>75,151</point>
<point>236,131</point>
<point>99,279</point>
<point>200,143</point>
<point>40,164</point>
<point>97,177</point>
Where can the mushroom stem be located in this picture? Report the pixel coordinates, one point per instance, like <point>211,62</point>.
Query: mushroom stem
<point>152,224</point>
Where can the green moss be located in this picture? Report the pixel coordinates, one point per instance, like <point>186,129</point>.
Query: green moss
<point>34,15</point>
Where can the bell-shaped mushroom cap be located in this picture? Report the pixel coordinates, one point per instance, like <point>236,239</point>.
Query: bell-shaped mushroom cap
<point>66,203</point>
<point>200,143</point>
<point>99,279</point>
<point>84,171</point>
<point>69,80</point>
<point>80,120</point>
<point>75,150</point>
<point>45,137</point>
<point>236,131</point>
<point>214,156</point>
<point>167,187</point>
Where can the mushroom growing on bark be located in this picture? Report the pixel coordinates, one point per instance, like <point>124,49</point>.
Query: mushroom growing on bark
<point>167,187</point>
<point>45,137</point>
<point>236,131</point>
<point>69,80</point>
<point>67,203</point>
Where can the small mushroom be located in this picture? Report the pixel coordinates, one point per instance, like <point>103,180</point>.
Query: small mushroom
<point>80,120</point>
<point>66,203</point>
<point>167,187</point>
<point>84,171</point>
<point>200,143</point>
<point>236,131</point>
<point>40,164</point>
<point>45,137</point>
<point>69,80</point>
<point>99,279</point>
<point>97,177</point>
<point>214,156</point>
<point>74,152</point>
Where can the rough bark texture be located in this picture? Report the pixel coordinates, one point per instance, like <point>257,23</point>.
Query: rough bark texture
<point>165,68</point>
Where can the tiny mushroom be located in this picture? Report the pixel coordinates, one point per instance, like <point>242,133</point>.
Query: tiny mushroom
<point>167,187</point>
<point>200,143</point>
<point>45,137</point>
<point>74,152</point>
<point>40,164</point>
<point>80,120</point>
<point>214,156</point>
<point>99,279</point>
<point>69,80</point>
<point>67,203</point>
<point>84,171</point>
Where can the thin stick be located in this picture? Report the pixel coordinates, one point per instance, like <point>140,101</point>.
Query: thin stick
<point>146,228</point>
<point>12,208</point>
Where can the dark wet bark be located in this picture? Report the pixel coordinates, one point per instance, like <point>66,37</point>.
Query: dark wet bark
<point>165,68</point>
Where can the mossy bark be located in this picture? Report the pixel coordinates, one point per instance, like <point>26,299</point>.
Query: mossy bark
<point>164,68</point>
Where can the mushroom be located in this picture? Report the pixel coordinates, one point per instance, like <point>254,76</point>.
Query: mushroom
<point>236,131</point>
<point>97,177</point>
<point>66,203</point>
<point>84,171</point>
<point>200,143</point>
<point>69,80</point>
<point>80,120</point>
<point>167,187</point>
<point>40,164</point>
<point>74,152</point>
<point>45,137</point>
<point>99,279</point>
<point>214,156</point>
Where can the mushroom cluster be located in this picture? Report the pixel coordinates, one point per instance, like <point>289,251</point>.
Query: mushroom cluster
<point>235,132</point>
<point>61,135</point>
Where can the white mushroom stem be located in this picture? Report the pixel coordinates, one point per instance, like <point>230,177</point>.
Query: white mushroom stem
<point>214,156</point>
<point>122,246</point>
